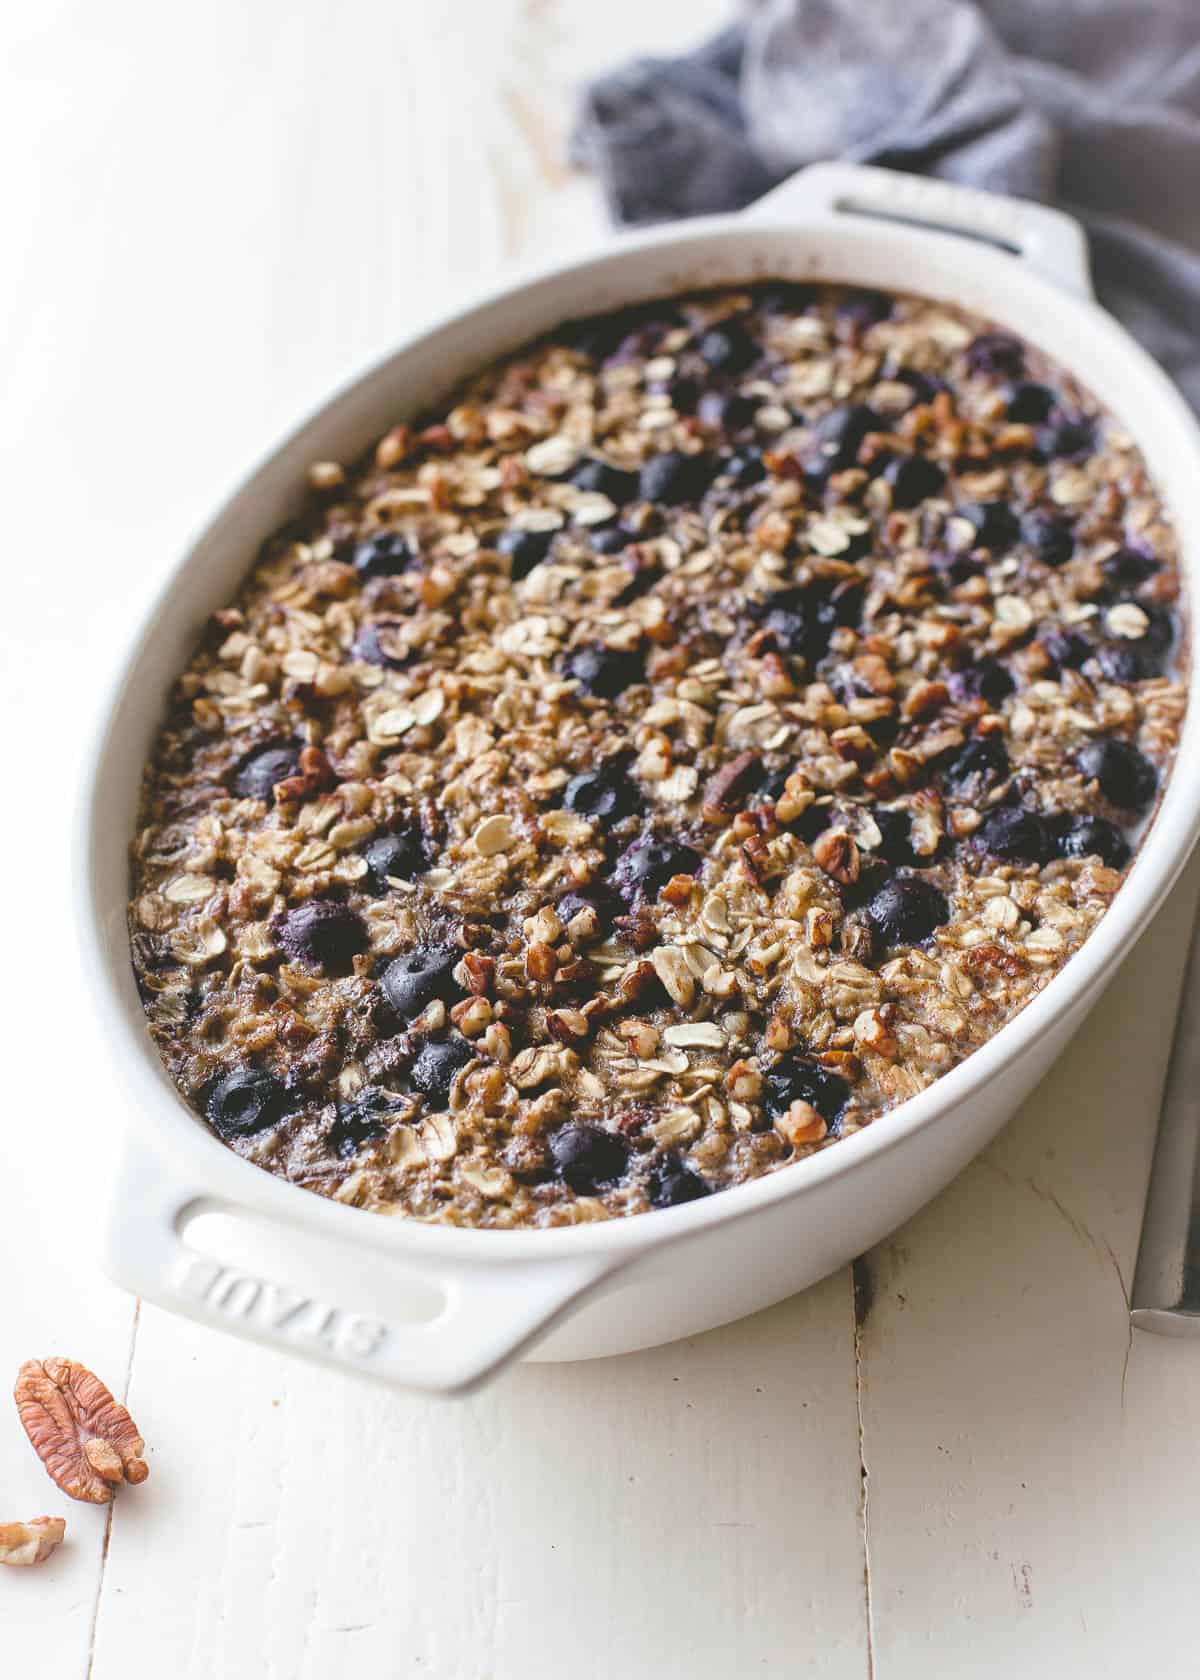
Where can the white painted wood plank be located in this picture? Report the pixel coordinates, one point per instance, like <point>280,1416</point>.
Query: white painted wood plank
<point>687,1512</point>
<point>57,1116</point>
<point>278,1535</point>
<point>223,217</point>
<point>1032,1479</point>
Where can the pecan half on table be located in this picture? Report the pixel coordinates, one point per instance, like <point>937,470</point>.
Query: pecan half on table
<point>86,1439</point>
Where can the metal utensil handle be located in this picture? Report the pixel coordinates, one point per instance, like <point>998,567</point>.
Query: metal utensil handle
<point>1048,241</point>
<point>1166,1285</point>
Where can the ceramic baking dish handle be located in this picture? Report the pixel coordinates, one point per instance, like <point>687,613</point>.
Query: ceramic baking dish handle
<point>1051,243</point>
<point>470,1319</point>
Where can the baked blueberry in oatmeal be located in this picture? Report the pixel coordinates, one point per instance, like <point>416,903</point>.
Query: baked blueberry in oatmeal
<point>693,739</point>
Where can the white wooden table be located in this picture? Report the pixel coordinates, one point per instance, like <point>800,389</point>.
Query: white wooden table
<point>213,215</point>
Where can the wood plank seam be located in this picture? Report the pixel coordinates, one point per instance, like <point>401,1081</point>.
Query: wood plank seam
<point>108,1526</point>
<point>1100,1245</point>
<point>862,1291</point>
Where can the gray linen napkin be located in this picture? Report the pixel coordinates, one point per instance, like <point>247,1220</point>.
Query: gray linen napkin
<point>1090,104</point>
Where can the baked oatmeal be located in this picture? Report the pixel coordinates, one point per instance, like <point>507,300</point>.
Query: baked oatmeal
<point>702,732</point>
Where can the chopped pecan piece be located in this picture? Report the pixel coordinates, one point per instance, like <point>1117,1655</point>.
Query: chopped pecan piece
<point>837,855</point>
<point>729,786</point>
<point>393,447</point>
<point>316,776</point>
<point>991,955</point>
<point>568,1026</point>
<point>86,1439</point>
<point>925,698</point>
<point>24,1544</point>
<point>480,972</point>
<point>754,858</point>
<point>800,1124</point>
<point>540,960</point>
<point>637,930</point>
<point>873,672</point>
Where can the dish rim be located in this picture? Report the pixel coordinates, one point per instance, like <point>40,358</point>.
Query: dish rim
<point>219,1171</point>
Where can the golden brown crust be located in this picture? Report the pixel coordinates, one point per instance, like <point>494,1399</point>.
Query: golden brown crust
<point>858,603</point>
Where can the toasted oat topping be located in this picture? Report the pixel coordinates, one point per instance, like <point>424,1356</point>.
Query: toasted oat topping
<point>703,732</point>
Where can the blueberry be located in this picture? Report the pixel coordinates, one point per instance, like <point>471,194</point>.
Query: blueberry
<point>985,680</point>
<point>1067,436</point>
<point>996,525</point>
<point>370,647</point>
<point>906,910</point>
<point>245,1102</point>
<point>729,348</point>
<point>633,329</point>
<point>802,620</point>
<point>412,981</point>
<point>673,478</point>
<point>614,482</point>
<point>955,567</point>
<point>1030,404</point>
<point>435,1068</point>
<point>1126,662</point>
<point>745,469</point>
<point>984,759</point>
<point>1126,776</point>
<point>586,1157</point>
<point>361,1120</point>
<point>813,820</point>
<point>384,555</point>
<point>595,336</point>
<point>1067,649</point>
<point>794,1078</point>
<point>1160,630</point>
<point>884,731</point>
<point>684,395</point>
<point>257,777</point>
<point>895,845</point>
<point>1050,537</point>
<point>863,308</point>
<point>923,388</point>
<point>837,438</point>
<point>596,898</point>
<point>1127,567</point>
<point>996,353</point>
<point>1095,837</point>
<point>645,867</point>
<point>611,539</point>
<point>525,549</point>
<point>772,785</point>
<point>728,411</point>
<point>606,792</point>
<point>858,544</point>
<point>788,297</point>
<point>671,1184</point>
<point>324,933</point>
<point>395,857</point>
<point>1148,651</point>
<point>1015,835</point>
<point>913,478</point>
<point>603,671</point>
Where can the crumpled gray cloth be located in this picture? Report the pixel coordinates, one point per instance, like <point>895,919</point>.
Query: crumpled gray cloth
<point>1090,104</point>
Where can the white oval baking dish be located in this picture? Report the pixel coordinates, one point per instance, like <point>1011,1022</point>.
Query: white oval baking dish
<point>439,1309</point>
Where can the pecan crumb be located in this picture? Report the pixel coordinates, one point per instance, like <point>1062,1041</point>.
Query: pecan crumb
<point>731,782</point>
<point>837,854</point>
<point>24,1544</point>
